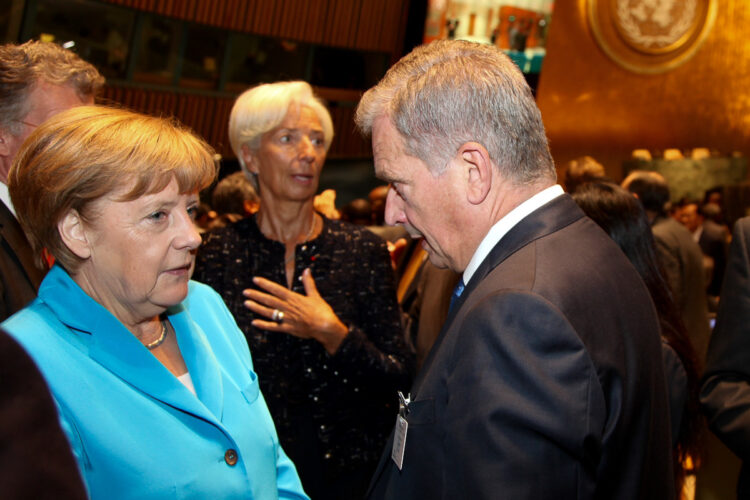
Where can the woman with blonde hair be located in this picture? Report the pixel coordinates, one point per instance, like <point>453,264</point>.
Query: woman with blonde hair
<point>152,378</point>
<point>315,297</point>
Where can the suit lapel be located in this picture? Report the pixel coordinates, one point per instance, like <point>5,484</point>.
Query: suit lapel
<point>13,235</point>
<point>111,345</point>
<point>547,219</point>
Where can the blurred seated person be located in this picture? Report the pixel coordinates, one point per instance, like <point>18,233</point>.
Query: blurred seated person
<point>315,297</point>
<point>35,456</point>
<point>357,212</point>
<point>152,378</point>
<point>233,198</point>
<point>581,170</point>
<point>623,218</point>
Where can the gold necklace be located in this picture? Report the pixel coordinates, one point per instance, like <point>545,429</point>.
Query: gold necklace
<point>161,339</point>
<point>307,237</point>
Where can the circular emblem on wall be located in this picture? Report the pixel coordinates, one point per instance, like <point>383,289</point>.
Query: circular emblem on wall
<point>650,36</point>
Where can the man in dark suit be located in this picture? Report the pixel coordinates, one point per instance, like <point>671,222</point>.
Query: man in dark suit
<point>680,256</point>
<point>37,81</point>
<point>546,380</point>
<point>712,238</point>
<point>725,391</point>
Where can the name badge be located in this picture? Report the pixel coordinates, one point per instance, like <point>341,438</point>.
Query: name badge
<point>399,441</point>
<point>399,436</point>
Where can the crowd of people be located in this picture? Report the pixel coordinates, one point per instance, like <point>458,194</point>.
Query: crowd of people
<point>469,330</point>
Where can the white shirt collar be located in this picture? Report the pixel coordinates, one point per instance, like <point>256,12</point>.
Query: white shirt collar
<point>698,233</point>
<point>5,198</point>
<point>501,227</point>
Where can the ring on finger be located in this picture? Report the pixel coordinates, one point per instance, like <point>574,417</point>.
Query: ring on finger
<point>277,316</point>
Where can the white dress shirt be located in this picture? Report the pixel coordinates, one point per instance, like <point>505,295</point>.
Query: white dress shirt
<point>501,227</point>
<point>5,198</point>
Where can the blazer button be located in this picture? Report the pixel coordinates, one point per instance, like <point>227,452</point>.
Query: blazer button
<point>230,457</point>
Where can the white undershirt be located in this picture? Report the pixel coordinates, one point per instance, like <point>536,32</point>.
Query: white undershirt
<point>501,227</point>
<point>187,381</point>
<point>5,198</point>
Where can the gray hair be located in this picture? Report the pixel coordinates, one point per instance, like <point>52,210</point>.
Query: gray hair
<point>450,92</point>
<point>22,66</point>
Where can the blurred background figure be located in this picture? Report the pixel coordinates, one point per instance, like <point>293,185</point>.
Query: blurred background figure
<point>37,80</point>
<point>713,240</point>
<point>679,255</point>
<point>315,297</point>
<point>358,212</point>
<point>325,203</point>
<point>153,379</point>
<point>623,218</point>
<point>725,392</point>
<point>377,202</point>
<point>581,170</point>
<point>204,216</point>
<point>233,198</point>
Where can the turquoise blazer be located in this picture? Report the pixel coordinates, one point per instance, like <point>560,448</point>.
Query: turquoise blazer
<point>138,432</point>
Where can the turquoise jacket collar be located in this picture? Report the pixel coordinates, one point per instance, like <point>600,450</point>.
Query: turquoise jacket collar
<point>112,345</point>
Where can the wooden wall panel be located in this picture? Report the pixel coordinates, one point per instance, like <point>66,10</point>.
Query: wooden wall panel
<point>343,16</point>
<point>315,27</point>
<point>362,24</point>
<point>209,117</point>
<point>234,14</point>
<point>263,20</point>
<point>369,21</point>
<point>247,22</point>
<point>394,26</point>
<point>590,105</point>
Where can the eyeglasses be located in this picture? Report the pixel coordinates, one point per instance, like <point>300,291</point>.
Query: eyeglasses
<point>32,125</point>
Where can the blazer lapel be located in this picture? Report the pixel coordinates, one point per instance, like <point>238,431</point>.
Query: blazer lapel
<point>547,219</point>
<point>201,362</point>
<point>111,345</point>
<point>12,233</point>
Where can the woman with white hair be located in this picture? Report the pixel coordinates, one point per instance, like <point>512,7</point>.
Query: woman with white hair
<point>315,297</point>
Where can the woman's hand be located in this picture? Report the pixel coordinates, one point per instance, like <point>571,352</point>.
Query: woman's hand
<point>305,316</point>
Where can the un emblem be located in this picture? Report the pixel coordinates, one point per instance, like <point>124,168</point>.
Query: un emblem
<point>650,36</point>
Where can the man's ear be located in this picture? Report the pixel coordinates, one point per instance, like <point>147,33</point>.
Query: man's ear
<point>479,171</point>
<point>249,158</point>
<point>73,233</point>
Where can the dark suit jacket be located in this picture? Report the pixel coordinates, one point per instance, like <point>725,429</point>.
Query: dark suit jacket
<point>725,392</point>
<point>546,380</point>
<point>713,243</point>
<point>19,277</point>
<point>35,456</point>
<point>682,261</point>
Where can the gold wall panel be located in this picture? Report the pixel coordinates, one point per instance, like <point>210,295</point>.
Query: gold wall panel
<point>592,105</point>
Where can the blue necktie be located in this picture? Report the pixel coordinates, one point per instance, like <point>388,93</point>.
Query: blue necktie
<point>457,293</point>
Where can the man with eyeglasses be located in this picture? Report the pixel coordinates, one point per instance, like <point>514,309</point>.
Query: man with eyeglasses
<point>37,81</point>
